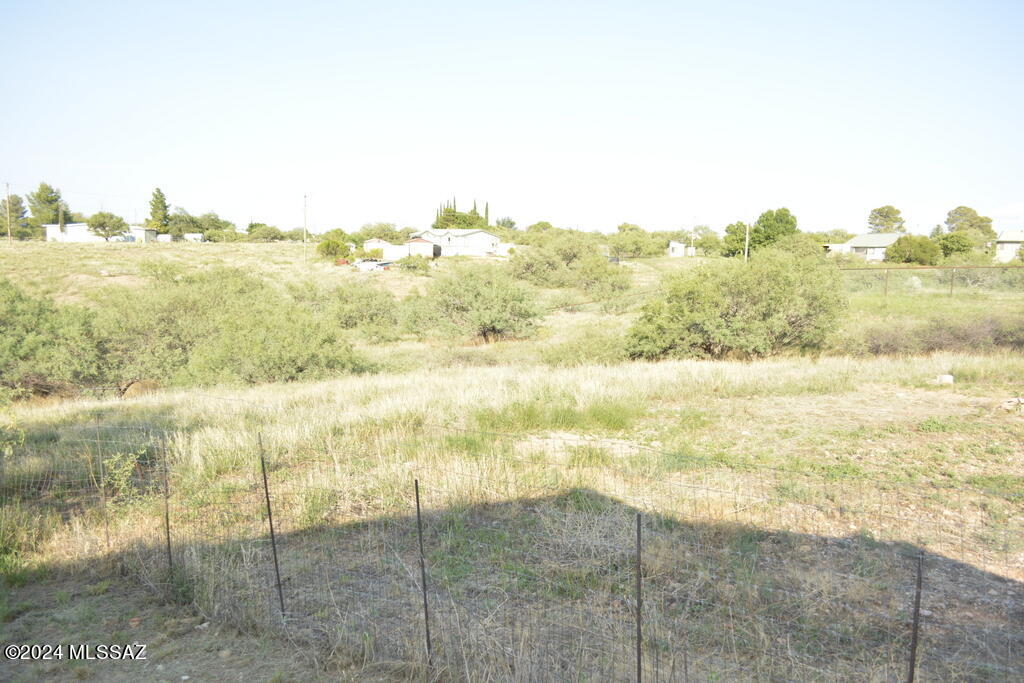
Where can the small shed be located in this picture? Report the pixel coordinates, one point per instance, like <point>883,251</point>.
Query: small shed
<point>418,246</point>
<point>678,249</point>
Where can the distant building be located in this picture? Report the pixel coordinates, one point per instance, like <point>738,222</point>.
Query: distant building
<point>376,243</point>
<point>678,249</point>
<point>164,237</point>
<point>80,233</point>
<point>871,246</point>
<point>414,247</point>
<point>464,242</point>
<point>1008,245</point>
<point>193,237</point>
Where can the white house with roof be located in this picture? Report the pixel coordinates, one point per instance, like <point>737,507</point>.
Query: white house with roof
<point>80,233</point>
<point>417,246</point>
<point>464,242</point>
<point>1008,245</point>
<point>871,246</point>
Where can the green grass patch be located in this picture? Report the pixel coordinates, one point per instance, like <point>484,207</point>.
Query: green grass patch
<point>589,455</point>
<point>1008,486</point>
<point>559,412</point>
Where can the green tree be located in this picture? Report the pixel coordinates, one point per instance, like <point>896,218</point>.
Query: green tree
<point>833,236</point>
<point>955,243</point>
<point>47,207</point>
<point>332,249</point>
<point>771,226</point>
<point>735,239</point>
<point>484,302</point>
<point>211,221</point>
<point>707,240</point>
<point>449,217</point>
<point>388,232</point>
<point>780,301</point>
<point>261,232</point>
<point>966,218</point>
<point>107,225</point>
<point>20,227</point>
<point>886,219</point>
<point>914,249</point>
<point>159,212</point>
<point>506,223</point>
<point>181,222</point>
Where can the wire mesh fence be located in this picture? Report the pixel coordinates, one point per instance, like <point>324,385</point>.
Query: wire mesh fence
<point>904,280</point>
<point>519,557</point>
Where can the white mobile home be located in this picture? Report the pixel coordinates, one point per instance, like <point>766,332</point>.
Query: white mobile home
<point>463,242</point>
<point>1008,245</point>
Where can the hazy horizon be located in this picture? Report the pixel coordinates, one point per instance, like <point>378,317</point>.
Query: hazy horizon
<point>586,115</point>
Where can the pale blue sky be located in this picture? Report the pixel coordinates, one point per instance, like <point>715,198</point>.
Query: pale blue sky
<point>586,114</point>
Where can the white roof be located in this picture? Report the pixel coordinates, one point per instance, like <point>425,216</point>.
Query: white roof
<point>1011,236</point>
<point>875,239</point>
<point>454,232</point>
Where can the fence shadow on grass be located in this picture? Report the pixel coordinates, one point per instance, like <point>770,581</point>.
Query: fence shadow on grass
<point>544,588</point>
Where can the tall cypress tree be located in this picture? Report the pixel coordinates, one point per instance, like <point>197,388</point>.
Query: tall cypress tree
<point>159,212</point>
<point>487,213</point>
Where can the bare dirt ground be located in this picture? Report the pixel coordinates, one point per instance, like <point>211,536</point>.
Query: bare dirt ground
<point>181,644</point>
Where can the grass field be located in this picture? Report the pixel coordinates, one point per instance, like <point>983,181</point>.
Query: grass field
<point>783,502</point>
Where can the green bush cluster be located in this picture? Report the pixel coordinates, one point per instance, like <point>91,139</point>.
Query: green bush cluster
<point>218,326</point>
<point>941,333</point>
<point>570,262</point>
<point>45,348</point>
<point>185,329</point>
<point>484,302</point>
<point>778,301</point>
<point>914,249</point>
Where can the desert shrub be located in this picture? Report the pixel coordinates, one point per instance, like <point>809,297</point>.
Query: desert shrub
<point>599,278</point>
<point>937,333</point>
<point>216,326</point>
<point>45,348</point>
<point>484,302</point>
<point>416,263</point>
<point>332,249</point>
<point>776,302</point>
<point>914,249</point>
<point>801,244</point>
<point>540,267</point>
<point>364,307</point>
<point>417,315</point>
<point>260,232</point>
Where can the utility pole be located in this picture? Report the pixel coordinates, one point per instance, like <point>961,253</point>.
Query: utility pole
<point>746,245</point>
<point>304,217</point>
<point>10,240</point>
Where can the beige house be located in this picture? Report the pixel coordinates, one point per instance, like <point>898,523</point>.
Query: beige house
<point>1008,245</point>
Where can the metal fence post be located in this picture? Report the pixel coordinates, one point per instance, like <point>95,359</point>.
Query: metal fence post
<point>103,490</point>
<point>917,620</point>
<point>639,605</point>
<point>952,278</point>
<point>423,572</point>
<point>887,284</point>
<point>167,516</point>
<point>270,521</point>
